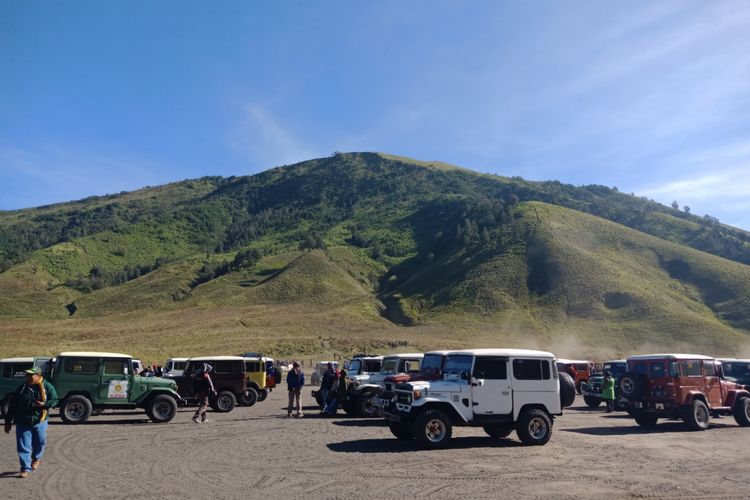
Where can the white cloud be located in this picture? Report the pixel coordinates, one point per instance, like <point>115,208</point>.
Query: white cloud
<point>261,138</point>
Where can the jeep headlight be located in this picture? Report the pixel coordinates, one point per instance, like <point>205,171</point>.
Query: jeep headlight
<point>417,394</point>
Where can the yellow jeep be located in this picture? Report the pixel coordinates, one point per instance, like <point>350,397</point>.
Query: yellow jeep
<point>255,370</point>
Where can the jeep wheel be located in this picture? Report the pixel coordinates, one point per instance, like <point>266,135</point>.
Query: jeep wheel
<point>4,407</point>
<point>319,398</point>
<point>534,427</point>
<point>498,430</point>
<point>161,408</point>
<point>349,408</point>
<point>262,395</point>
<point>76,409</point>
<point>248,399</point>
<point>632,386</point>
<point>364,406</point>
<point>225,402</point>
<point>742,411</point>
<point>401,431</point>
<point>696,415</point>
<point>567,390</point>
<point>645,419</point>
<point>433,429</point>
<point>592,402</point>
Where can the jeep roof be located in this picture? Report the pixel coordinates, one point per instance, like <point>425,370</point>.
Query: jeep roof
<point>86,354</point>
<point>574,361</point>
<point>728,360</point>
<point>649,357</point>
<point>505,352</point>
<point>403,355</point>
<point>177,359</point>
<point>17,360</point>
<point>218,358</point>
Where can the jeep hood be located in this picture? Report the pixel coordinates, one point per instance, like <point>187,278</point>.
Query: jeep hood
<point>432,386</point>
<point>156,382</point>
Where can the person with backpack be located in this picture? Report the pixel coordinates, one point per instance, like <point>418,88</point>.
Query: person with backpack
<point>204,388</point>
<point>29,409</point>
<point>326,383</point>
<point>295,381</point>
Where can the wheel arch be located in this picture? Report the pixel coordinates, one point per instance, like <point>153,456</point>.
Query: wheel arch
<point>447,408</point>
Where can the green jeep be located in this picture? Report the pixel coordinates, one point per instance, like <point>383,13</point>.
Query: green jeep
<point>94,381</point>
<point>12,375</point>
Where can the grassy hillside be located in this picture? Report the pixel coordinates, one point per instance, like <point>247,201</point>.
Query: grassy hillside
<point>355,250</point>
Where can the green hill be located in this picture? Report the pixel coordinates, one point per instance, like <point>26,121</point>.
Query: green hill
<point>356,250</point>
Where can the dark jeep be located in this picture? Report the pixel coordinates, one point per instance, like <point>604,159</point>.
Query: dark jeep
<point>229,380</point>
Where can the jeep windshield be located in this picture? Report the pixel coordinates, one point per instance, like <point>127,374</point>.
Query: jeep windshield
<point>457,364</point>
<point>431,364</point>
<point>616,368</point>
<point>390,366</point>
<point>738,370</point>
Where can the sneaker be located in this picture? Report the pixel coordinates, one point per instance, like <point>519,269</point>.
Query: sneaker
<point>204,420</point>
<point>196,419</point>
<point>300,415</point>
<point>23,474</point>
<point>35,464</point>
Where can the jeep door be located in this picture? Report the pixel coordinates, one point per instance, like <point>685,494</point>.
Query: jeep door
<point>115,383</point>
<point>491,391</point>
<point>713,384</point>
<point>691,379</point>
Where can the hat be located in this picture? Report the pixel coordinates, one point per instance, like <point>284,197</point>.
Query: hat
<point>33,371</point>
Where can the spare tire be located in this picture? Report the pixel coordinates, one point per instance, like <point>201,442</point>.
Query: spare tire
<point>633,386</point>
<point>567,390</point>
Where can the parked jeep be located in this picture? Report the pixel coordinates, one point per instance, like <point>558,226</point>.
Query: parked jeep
<point>229,379</point>
<point>736,370</point>
<point>174,367</point>
<point>320,369</point>
<point>500,390</point>
<point>592,391</point>
<point>431,368</point>
<point>686,386</point>
<point>579,369</point>
<point>255,369</point>
<point>12,374</point>
<point>89,382</point>
<point>364,388</point>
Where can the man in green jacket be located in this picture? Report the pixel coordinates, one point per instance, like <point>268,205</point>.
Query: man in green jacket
<point>29,409</point>
<point>608,391</point>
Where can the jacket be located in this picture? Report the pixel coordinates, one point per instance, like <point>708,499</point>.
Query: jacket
<point>608,388</point>
<point>22,409</point>
<point>294,381</point>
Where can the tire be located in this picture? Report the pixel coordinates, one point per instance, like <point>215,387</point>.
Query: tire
<point>161,408</point>
<point>567,390</point>
<point>645,419</point>
<point>433,429</point>
<point>225,402</point>
<point>76,409</point>
<point>632,386</point>
<point>364,407</point>
<point>741,411</point>
<point>579,386</point>
<point>248,399</point>
<point>349,408</point>
<point>498,430</point>
<point>592,402</point>
<point>4,407</point>
<point>262,395</point>
<point>696,415</point>
<point>401,431</point>
<point>534,427</point>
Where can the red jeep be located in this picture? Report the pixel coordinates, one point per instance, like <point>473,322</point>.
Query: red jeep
<point>579,369</point>
<point>430,369</point>
<point>686,386</point>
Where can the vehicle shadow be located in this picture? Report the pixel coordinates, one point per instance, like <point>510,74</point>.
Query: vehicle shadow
<point>7,474</point>
<point>399,446</point>
<point>119,421</point>
<point>361,422</point>
<point>623,430</point>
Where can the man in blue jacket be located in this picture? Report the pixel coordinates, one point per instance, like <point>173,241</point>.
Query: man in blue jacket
<point>295,380</point>
<point>29,409</point>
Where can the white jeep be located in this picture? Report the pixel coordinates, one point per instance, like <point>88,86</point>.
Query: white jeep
<point>500,390</point>
<point>365,386</point>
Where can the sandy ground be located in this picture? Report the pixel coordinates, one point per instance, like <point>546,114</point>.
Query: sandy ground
<point>257,452</point>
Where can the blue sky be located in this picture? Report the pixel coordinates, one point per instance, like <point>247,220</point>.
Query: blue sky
<point>651,97</point>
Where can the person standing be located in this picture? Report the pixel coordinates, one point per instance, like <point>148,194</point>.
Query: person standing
<point>329,377</point>
<point>295,381</point>
<point>339,395</point>
<point>204,388</point>
<point>608,391</point>
<point>29,409</point>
